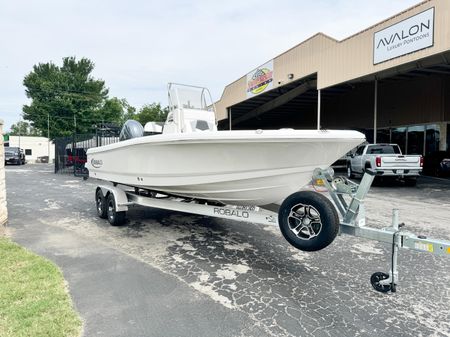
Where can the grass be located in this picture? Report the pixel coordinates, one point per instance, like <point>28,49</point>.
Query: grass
<point>33,296</point>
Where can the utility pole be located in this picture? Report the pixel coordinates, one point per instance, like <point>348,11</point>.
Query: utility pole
<point>18,125</point>
<point>74,142</point>
<point>48,137</point>
<point>375,112</point>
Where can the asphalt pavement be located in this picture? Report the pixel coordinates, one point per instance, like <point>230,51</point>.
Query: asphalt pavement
<point>173,274</point>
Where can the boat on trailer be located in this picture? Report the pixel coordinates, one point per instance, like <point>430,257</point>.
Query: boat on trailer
<point>190,166</point>
<point>192,159</point>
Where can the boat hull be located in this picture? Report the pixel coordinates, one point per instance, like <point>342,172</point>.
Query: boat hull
<point>233,167</point>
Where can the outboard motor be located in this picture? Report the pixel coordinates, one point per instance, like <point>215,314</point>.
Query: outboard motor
<point>131,129</point>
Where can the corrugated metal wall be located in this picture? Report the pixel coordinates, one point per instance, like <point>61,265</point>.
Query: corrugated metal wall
<point>415,101</point>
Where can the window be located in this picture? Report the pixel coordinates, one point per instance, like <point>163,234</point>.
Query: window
<point>399,138</point>
<point>383,136</point>
<point>416,139</point>
<point>369,135</point>
<point>28,152</point>
<point>448,137</point>
<point>432,139</point>
<point>383,149</point>
<point>360,150</point>
<point>200,125</point>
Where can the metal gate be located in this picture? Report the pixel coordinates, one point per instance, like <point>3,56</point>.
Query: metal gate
<point>70,152</point>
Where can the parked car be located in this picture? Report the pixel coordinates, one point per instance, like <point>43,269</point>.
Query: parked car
<point>42,159</point>
<point>14,155</point>
<point>386,160</point>
<point>437,164</point>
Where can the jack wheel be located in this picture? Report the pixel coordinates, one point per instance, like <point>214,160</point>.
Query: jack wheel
<point>375,281</point>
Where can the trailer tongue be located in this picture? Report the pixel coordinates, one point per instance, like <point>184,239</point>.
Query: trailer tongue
<point>308,220</point>
<point>354,223</point>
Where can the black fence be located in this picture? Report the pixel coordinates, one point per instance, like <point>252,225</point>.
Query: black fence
<point>70,152</point>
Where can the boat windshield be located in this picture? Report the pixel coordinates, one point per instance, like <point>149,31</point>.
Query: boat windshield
<point>189,97</point>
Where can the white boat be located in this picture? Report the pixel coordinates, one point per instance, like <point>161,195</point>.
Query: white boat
<point>190,158</point>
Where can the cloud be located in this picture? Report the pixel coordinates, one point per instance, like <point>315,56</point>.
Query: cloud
<point>139,46</point>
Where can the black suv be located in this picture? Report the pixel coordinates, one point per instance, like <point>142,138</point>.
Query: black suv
<point>14,155</point>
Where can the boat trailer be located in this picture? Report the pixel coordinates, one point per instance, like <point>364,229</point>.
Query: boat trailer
<point>348,197</point>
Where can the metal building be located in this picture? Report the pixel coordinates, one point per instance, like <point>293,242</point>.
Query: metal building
<point>391,81</point>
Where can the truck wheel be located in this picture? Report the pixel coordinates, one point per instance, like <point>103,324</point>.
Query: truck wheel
<point>350,172</point>
<point>308,220</point>
<point>115,218</point>
<point>100,202</point>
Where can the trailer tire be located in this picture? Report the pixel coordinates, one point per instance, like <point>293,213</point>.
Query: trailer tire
<point>308,221</point>
<point>100,203</point>
<point>115,218</point>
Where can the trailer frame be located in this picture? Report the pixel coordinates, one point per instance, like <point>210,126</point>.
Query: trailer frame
<point>348,198</point>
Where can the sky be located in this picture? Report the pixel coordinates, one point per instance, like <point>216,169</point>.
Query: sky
<point>138,46</point>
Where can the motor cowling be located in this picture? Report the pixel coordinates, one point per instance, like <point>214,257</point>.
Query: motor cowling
<point>131,129</point>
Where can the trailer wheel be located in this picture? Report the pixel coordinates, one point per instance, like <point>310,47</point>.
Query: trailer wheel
<point>308,220</point>
<point>100,203</point>
<point>115,218</point>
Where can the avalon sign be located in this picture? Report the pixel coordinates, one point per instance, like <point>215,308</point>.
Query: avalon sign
<point>407,36</point>
<point>260,79</point>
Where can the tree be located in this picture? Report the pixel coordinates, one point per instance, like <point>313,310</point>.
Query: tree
<point>152,113</point>
<point>68,95</point>
<point>24,128</point>
<point>129,113</point>
<point>115,110</point>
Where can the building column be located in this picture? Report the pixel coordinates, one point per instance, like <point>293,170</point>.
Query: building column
<point>229,118</point>
<point>318,109</point>
<point>375,112</point>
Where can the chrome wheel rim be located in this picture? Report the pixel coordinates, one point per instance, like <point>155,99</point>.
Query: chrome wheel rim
<point>304,222</point>
<point>99,205</point>
<point>111,210</point>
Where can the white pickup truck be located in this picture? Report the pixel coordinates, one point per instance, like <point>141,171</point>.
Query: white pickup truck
<point>386,160</point>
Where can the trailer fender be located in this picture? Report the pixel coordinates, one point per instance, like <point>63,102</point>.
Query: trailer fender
<point>120,196</point>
